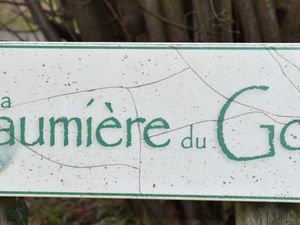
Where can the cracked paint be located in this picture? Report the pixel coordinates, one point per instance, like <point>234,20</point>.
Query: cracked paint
<point>186,85</point>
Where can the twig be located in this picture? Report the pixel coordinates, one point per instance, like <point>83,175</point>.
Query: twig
<point>36,10</point>
<point>115,15</point>
<point>164,19</point>
<point>27,22</point>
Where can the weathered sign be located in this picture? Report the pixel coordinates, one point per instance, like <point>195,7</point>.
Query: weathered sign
<point>175,121</point>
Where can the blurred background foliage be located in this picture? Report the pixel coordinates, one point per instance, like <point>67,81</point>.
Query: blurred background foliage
<point>151,20</point>
<point>79,212</point>
<point>143,21</point>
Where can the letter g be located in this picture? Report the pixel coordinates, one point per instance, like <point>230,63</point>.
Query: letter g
<point>220,134</point>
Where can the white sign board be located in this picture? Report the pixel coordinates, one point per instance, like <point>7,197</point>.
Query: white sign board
<point>180,121</point>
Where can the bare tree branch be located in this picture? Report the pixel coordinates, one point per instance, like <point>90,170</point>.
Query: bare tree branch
<point>40,18</point>
<point>28,23</point>
<point>204,18</point>
<point>165,19</point>
<point>226,6</point>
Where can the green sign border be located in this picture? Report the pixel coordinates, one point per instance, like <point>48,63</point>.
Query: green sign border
<point>171,46</point>
<point>153,46</point>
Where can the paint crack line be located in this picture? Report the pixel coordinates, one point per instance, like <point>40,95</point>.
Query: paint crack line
<point>140,139</point>
<point>222,95</point>
<point>282,71</point>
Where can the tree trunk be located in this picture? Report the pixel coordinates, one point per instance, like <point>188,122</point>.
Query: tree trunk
<point>267,214</point>
<point>289,19</point>
<point>155,26</point>
<point>267,20</point>
<point>248,20</point>
<point>173,11</point>
<point>94,21</point>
